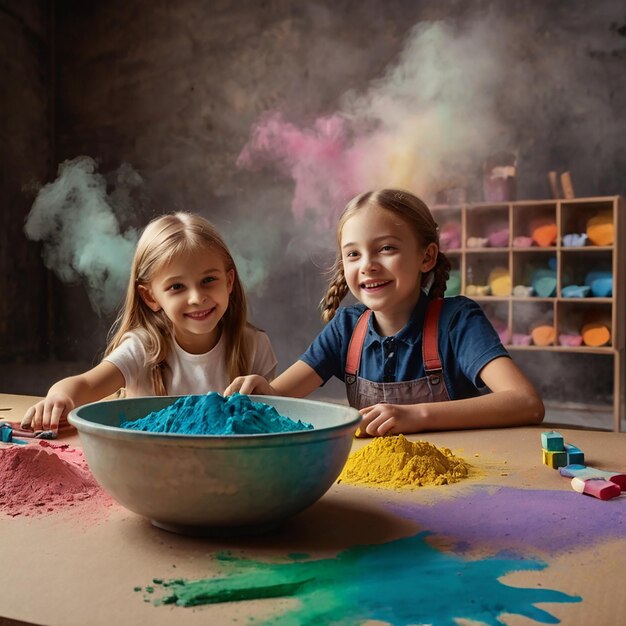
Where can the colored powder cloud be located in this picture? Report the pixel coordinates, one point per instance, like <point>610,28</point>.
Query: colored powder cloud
<point>520,519</point>
<point>75,219</point>
<point>456,94</point>
<point>399,582</point>
<point>409,129</point>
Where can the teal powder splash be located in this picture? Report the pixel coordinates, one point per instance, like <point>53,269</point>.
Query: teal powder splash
<point>401,582</point>
<point>213,414</point>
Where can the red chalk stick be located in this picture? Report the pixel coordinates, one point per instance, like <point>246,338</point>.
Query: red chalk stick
<point>596,487</point>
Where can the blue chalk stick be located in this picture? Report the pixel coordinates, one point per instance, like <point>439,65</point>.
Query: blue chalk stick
<point>574,455</point>
<point>6,433</point>
<point>552,441</point>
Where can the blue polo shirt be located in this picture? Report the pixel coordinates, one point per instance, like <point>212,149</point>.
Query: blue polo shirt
<point>467,342</point>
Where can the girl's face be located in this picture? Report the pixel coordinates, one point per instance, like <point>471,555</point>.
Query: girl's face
<point>383,261</point>
<point>193,291</point>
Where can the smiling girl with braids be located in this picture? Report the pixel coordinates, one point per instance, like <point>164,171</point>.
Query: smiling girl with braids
<point>411,360</point>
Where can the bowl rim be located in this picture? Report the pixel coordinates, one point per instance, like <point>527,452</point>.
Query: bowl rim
<point>116,432</point>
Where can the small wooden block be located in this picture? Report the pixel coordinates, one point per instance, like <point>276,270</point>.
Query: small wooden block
<point>574,455</point>
<point>554,459</point>
<point>552,441</point>
<point>568,187</point>
<point>596,487</point>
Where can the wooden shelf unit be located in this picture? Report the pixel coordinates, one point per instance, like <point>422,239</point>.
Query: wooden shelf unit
<point>570,263</point>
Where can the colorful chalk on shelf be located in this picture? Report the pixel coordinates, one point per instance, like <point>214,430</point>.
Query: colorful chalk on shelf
<point>520,339</point>
<point>477,290</point>
<point>574,454</point>
<point>543,335</point>
<point>500,282</point>
<point>572,470</point>
<point>576,291</point>
<point>450,236</point>
<point>596,487</point>
<point>522,241</point>
<point>545,235</point>
<point>601,283</point>
<point>543,282</point>
<point>596,334</point>
<point>600,229</point>
<point>523,291</point>
<point>575,240</point>
<point>570,340</point>
<point>498,238</point>
<point>552,441</point>
<point>476,242</point>
<point>453,286</point>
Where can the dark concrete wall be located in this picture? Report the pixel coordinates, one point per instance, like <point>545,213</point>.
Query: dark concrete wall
<point>174,89</point>
<point>25,157</point>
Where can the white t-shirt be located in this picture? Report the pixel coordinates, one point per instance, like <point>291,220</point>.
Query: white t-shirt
<point>188,373</point>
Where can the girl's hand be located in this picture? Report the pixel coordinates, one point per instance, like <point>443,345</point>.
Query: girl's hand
<point>389,419</point>
<point>250,384</point>
<point>46,414</point>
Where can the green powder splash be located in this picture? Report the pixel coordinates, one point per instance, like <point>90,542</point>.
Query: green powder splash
<point>402,582</point>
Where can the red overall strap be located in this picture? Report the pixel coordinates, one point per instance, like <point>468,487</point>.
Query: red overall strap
<point>355,347</point>
<point>430,343</point>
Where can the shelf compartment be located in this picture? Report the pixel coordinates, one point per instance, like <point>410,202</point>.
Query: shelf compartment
<point>574,216</point>
<point>480,268</point>
<point>574,317</point>
<point>533,323</point>
<point>578,268</point>
<point>488,223</point>
<point>534,220</point>
<point>537,269</point>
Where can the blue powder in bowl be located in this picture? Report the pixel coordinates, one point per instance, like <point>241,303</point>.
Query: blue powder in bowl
<point>214,414</point>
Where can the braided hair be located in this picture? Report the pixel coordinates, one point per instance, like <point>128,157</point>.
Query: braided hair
<point>417,215</point>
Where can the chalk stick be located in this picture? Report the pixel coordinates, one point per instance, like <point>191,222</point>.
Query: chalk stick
<point>6,433</point>
<point>600,229</point>
<point>596,334</point>
<point>574,455</point>
<point>596,487</point>
<point>552,441</point>
<point>585,472</point>
<point>543,335</point>
<point>545,236</point>
<point>554,459</point>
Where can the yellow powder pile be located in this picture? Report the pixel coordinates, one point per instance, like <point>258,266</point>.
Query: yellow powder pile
<point>395,462</point>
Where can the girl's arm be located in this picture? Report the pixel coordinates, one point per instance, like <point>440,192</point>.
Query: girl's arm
<point>63,396</point>
<point>298,381</point>
<point>513,402</point>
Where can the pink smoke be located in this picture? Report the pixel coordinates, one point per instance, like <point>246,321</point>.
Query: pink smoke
<point>319,160</point>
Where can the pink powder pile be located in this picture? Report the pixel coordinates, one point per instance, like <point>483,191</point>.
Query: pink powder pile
<point>42,477</point>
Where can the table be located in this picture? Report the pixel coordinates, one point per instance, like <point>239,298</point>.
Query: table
<point>514,535</point>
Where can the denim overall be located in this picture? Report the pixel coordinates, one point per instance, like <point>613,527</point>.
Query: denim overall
<point>430,388</point>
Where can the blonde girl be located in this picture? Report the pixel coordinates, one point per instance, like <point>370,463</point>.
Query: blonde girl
<point>183,328</point>
<point>411,360</point>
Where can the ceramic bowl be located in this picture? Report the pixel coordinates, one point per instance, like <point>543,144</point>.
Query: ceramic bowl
<point>203,484</point>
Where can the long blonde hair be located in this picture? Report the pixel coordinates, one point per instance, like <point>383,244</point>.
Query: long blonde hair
<point>417,216</point>
<point>163,239</point>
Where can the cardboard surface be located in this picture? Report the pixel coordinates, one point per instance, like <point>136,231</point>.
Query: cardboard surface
<point>66,568</point>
